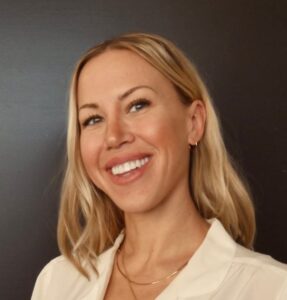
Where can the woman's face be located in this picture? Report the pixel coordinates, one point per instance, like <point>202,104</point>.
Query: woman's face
<point>134,131</point>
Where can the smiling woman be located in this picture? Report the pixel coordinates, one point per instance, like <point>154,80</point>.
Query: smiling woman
<point>152,206</point>
<point>133,129</point>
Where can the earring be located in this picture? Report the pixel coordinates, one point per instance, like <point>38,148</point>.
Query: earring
<point>192,145</point>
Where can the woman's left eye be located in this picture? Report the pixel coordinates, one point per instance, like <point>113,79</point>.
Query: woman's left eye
<point>138,105</point>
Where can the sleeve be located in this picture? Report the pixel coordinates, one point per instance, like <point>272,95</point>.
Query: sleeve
<point>60,280</point>
<point>40,287</point>
<point>283,294</point>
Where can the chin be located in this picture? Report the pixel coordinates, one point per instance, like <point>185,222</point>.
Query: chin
<point>136,205</point>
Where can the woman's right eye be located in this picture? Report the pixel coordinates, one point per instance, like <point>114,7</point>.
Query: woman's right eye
<point>92,120</point>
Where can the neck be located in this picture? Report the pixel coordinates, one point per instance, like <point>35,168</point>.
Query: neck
<point>175,229</point>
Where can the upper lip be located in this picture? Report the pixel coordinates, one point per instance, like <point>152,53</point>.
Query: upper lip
<point>117,160</point>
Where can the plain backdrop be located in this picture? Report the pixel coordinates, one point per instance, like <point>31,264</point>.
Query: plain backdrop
<point>240,48</point>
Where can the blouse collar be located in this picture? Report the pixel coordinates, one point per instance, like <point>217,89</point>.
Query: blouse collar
<point>204,272</point>
<point>207,268</point>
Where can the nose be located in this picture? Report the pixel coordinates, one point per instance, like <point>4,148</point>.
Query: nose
<point>117,134</point>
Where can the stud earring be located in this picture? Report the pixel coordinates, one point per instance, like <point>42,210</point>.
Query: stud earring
<point>192,145</point>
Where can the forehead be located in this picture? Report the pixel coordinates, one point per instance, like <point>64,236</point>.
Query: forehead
<point>115,71</point>
<point>115,63</point>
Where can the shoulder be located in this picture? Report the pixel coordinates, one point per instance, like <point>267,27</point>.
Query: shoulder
<point>256,260</point>
<point>250,274</point>
<point>60,279</point>
<point>59,268</point>
<point>259,273</point>
<point>239,256</point>
<point>58,265</point>
<point>56,279</point>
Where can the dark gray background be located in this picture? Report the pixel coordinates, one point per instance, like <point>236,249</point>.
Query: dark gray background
<point>240,48</point>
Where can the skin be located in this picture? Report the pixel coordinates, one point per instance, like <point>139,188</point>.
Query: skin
<point>128,110</point>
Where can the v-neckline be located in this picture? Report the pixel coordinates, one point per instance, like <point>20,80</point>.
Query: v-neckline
<point>204,271</point>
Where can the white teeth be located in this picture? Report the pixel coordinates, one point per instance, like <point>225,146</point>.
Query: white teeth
<point>129,165</point>
<point>121,168</point>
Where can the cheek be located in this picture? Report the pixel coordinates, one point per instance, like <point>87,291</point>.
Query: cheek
<point>166,131</point>
<point>154,131</point>
<point>89,151</point>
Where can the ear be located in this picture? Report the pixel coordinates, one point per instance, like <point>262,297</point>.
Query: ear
<point>196,118</point>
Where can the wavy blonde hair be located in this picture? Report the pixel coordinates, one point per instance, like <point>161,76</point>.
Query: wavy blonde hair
<point>89,222</point>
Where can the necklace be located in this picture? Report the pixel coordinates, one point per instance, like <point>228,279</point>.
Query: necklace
<point>129,283</point>
<point>152,282</point>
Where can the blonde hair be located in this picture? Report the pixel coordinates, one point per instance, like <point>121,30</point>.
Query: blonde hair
<point>89,222</point>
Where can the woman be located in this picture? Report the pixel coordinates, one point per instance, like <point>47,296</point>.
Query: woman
<point>152,207</point>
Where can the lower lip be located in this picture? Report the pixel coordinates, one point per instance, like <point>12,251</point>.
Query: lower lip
<point>130,176</point>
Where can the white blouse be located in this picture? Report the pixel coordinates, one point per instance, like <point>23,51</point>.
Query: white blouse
<point>220,269</point>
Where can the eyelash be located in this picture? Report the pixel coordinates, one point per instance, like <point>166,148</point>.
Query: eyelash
<point>142,102</point>
<point>89,119</point>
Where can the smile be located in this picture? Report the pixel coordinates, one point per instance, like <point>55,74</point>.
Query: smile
<point>129,166</point>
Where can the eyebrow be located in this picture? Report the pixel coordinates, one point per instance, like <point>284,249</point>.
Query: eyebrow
<point>121,97</point>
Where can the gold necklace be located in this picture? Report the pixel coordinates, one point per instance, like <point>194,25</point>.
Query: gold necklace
<point>152,282</point>
<point>129,283</point>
